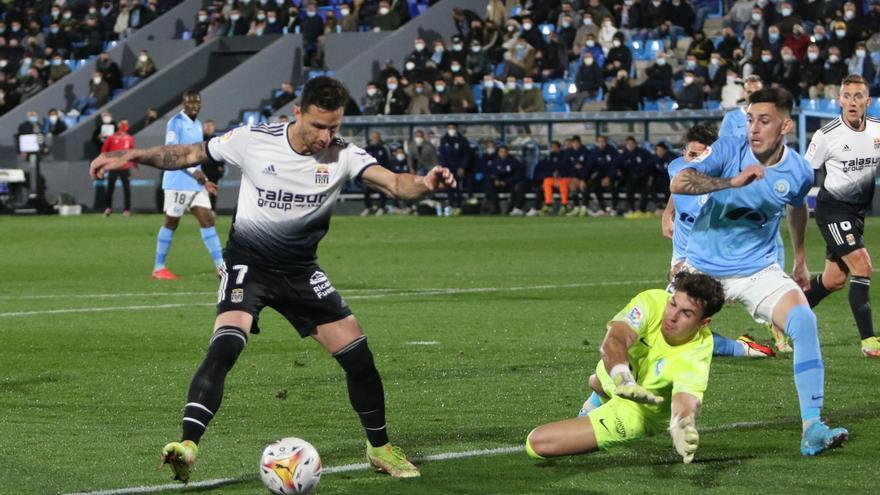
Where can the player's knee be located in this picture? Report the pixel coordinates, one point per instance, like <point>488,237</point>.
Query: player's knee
<point>860,264</point>
<point>834,282</point>
<point>356,358</point>
<point>537,444</point>
<point>226,345</point>
<point>801,323</point>
<point>595,384</point>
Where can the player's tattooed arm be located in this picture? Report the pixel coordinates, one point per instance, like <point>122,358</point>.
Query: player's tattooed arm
<point>170,157</point>
<point>689,181</point>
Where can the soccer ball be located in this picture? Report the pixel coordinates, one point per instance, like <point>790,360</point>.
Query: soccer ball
<point>290,466</point>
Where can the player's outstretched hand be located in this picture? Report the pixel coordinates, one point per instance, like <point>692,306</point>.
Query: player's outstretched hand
<point>439,178</point>
<point>211,187</point>
<point>627,388</point>
<point>106,162</point>
<point>748,175</point>
<point>801,276</point>
<point>685,437</point>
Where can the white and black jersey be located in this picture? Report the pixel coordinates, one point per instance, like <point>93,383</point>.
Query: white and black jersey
<point>285,198</point>
<point>849,159</point>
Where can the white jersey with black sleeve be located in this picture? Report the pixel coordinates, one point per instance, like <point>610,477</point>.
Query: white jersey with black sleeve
<point>286,198</point>
<point>849,159</point>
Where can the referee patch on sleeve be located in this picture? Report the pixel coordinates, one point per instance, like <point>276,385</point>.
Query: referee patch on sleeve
<point>634,317</point>
<point>170,136</point>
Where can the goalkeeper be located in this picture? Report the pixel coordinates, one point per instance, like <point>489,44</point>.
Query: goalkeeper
<point>653,372</point>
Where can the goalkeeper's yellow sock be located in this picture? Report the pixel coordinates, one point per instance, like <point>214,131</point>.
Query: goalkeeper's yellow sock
<point>529,450</point>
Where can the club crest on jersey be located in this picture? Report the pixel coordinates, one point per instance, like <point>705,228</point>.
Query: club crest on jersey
<point>322,174</point>
<point>237,296</point>
<point>634,317</point>
<point>658,368</point>
<point>781,187</point>
<point>877,143</point>
<point>851,239</point>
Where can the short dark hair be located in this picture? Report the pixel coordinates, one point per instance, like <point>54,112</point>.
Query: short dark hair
<point>325,93</point>
<point>704,133</point>
<point>190,93</point>
<point>779,97</point>
<point>707,292</point>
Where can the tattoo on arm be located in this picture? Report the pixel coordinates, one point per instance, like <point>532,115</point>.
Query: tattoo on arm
<point>171,157</point>
<point>693,182</point>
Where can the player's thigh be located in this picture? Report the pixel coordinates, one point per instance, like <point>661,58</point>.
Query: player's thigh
<point>204,216</point>
<point>784,305</point>
<point>617,421</point>
<point>243,292</point>
<point>310,302</point>
<point>760,292</point>
<point>335,335</point>
<point>859,263</point>
<point>566,437</point>
<point>834,275</point>
<point>177,202</point>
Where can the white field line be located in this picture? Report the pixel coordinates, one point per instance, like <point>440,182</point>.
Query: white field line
<point>117,295</point>
<point>362,466</point>
<point>406,293</point>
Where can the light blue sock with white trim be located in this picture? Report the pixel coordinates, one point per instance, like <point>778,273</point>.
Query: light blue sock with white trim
<point>809,371</point>
<point>163,244</point>
<point>212,243</point>
<point>725,346</point>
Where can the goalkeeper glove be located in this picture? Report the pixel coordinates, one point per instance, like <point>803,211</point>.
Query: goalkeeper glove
<point>685,437</point>
<point>627,388</point>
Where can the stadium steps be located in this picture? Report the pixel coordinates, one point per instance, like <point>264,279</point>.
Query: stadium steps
<point>62,94</point>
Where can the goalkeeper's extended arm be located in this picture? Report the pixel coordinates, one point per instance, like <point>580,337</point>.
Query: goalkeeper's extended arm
<point>682,425</point>
<point>615,357</point>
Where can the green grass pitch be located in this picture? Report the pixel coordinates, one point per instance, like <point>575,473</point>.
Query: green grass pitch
<point>95,360</point>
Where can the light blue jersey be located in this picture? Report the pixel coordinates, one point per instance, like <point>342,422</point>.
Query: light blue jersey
<point>734,234</point>
<point>734,124</point>
<point>182,130</point>
<point>687,207</point>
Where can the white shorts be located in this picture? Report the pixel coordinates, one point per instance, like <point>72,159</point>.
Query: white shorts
<point>759,292</point>
<point>179,202</point>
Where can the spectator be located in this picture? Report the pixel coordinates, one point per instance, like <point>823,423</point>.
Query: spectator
<point>461,97</point>
<point>618,58</point>
<point>702,48</point>
<point>420,54</point>
<point>551,174</point>
<point>787,19</point>
<point>860,63</point>
<point>729,43</point>
<point>396,100</point>
<point>798,41</point>
<point>151,116</point>
<point>458,53</point>
<point>478,64</point>
<point>690,64</point>
<point>532,100</point>
<point>58,40</point>
<point>349,20</point>
<point>258,27</point>
<point>834,71</point>
<point>511,97</point>
<point>203,24</point>
<point>422,155</point>
<point>275,26</point>
<point>7,101</point>
<point>530,34</point>
<point>491,95</point>
<point>607,34</point>
<point>145,66</point>
<point>731,91</point>
<point>385,18</point>
<point>287,95</point>
<point>690,97</point>
<point>774,41</point>
<point>789,72</point>
<point>767,68</point>
<point>457,69</point>
<point>597,10</point>
<point>522,57</point>
<point>660,180</point>
<point>388,71</point>
<point>496,12</point>
<point>238,25</point>
<point>596,50</point>
<point>681,15</point>
<point>587,27</point>
<point>121,27</point>
<point>567,32</point>
<point>31,125</point>
<point>54,124</point>
<point>659,80</point>
<point>110,70</point>
<point>455,154</point>
<point>120,140</point>
<point>715,77</point>
<point>91,38</point>
<point>31,84</point>
<point>440,57</point>
<point>566,10</point>
<point>440,98</point>
<point>622,95</point>
<point>99,94</point>
<point>751,46</point>
<point>58,69</point>
<point>638,167</point>
<point>419,99</point>
<point>842,39</point>
<point>588,82</point>
<point>508,175</point>
<point>105,126</point>
<point>821,38</point>
<point>576,165</point>
<point>811,72</point>
<point>552,61</point>
<point>378,150</point>
<point>399,164</point>
<point>757,22</point>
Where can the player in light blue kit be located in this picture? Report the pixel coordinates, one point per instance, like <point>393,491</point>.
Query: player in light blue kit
<point>736,124</point>
<point>186,189</point>
<point>752,181</point>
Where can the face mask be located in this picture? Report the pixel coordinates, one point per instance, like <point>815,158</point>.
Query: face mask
<point>511,28</point>
<point>833,59</point>
<point>756,17</point>
<point>261,17</point>
<point>345,13</point>
<point>143,59</point>
<point>475,49</point>
<point>56,61</point>
<point>490,151</point>
<point>588,62</point>
<point>615,43</point>
<point>566,24</point>
<point>66,15</point>
<point>419,46</point>
<point>788,58</point>
<point>371,91</point>
<point>840,32</point>
<point>271,19</point>
<point>688,80</point>
<point>451,132</point>
<point>849,15</point>
<point>661,61</point>
<point>96,80</point>
<point>457,47</point>
<point>656,3</point>
<point>488,84</point>
<point>26,61</point>
<point>766,58</point>
<point>812,56</point>
<point>400,157</point>
<point>511,85</point>
<point>15,28</point>
<point>731,80</point>
<point>3,63</point>
<point>263,2</point>
<point>690,64</point>
<point>392,86</point>
<point>455,68</point>
<point>440,88</point>
<point>203,18</point>
<point>591,43</point>
<point>383,11</point>
<point>774,37</point>
<point>311,13</point>
<point>607,25</point>
<point>53,118</point>
<point>860,53</point>
<point>419,140</point>
<point>53,30</point>
<point>235,17</point>
<point>527,26</point>
<point>786,12</point>
<point>410,65</point>
<point>715,62</point>
<point>438,49</point>
<point>56,13</point>
<point>32,119</point>
<point>528,86</point>
<point>107,120</point>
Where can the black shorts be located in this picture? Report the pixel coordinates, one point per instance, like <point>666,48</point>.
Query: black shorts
<point>843,235</point>
<point>307,299</point>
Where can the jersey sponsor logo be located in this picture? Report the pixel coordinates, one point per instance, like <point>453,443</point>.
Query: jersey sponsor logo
<point>619,428</point>
<point>747,214</point>
<point>781,187</point>
<point>321,285</point>
<point>285,200</point>
<point>322,175</point>
<point>270,170</point>
<point>859,164</point>
<point>634,317</point>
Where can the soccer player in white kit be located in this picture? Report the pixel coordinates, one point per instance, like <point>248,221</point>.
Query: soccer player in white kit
<point>291,177</point>
<point>847,149</point>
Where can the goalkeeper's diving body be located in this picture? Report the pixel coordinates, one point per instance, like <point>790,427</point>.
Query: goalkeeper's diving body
<point>653,372</point>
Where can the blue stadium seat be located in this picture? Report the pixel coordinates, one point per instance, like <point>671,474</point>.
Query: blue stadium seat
<point>478,95</point>
<point>115,94</point>
<point>252,117</point>
<point>716,8</point>
<point>649,105</point>
<point>129,81</point>
<point>874,108</point>
<point>652,48</point>
<point>70,121</point>
<point>322,11</point>
<point>186,35</point>
<point>713,104</point>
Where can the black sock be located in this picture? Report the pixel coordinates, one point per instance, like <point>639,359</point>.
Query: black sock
<point>365,389</point>
<point>860,303</point>
<point>206,387</point>
<point>817,291</point>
